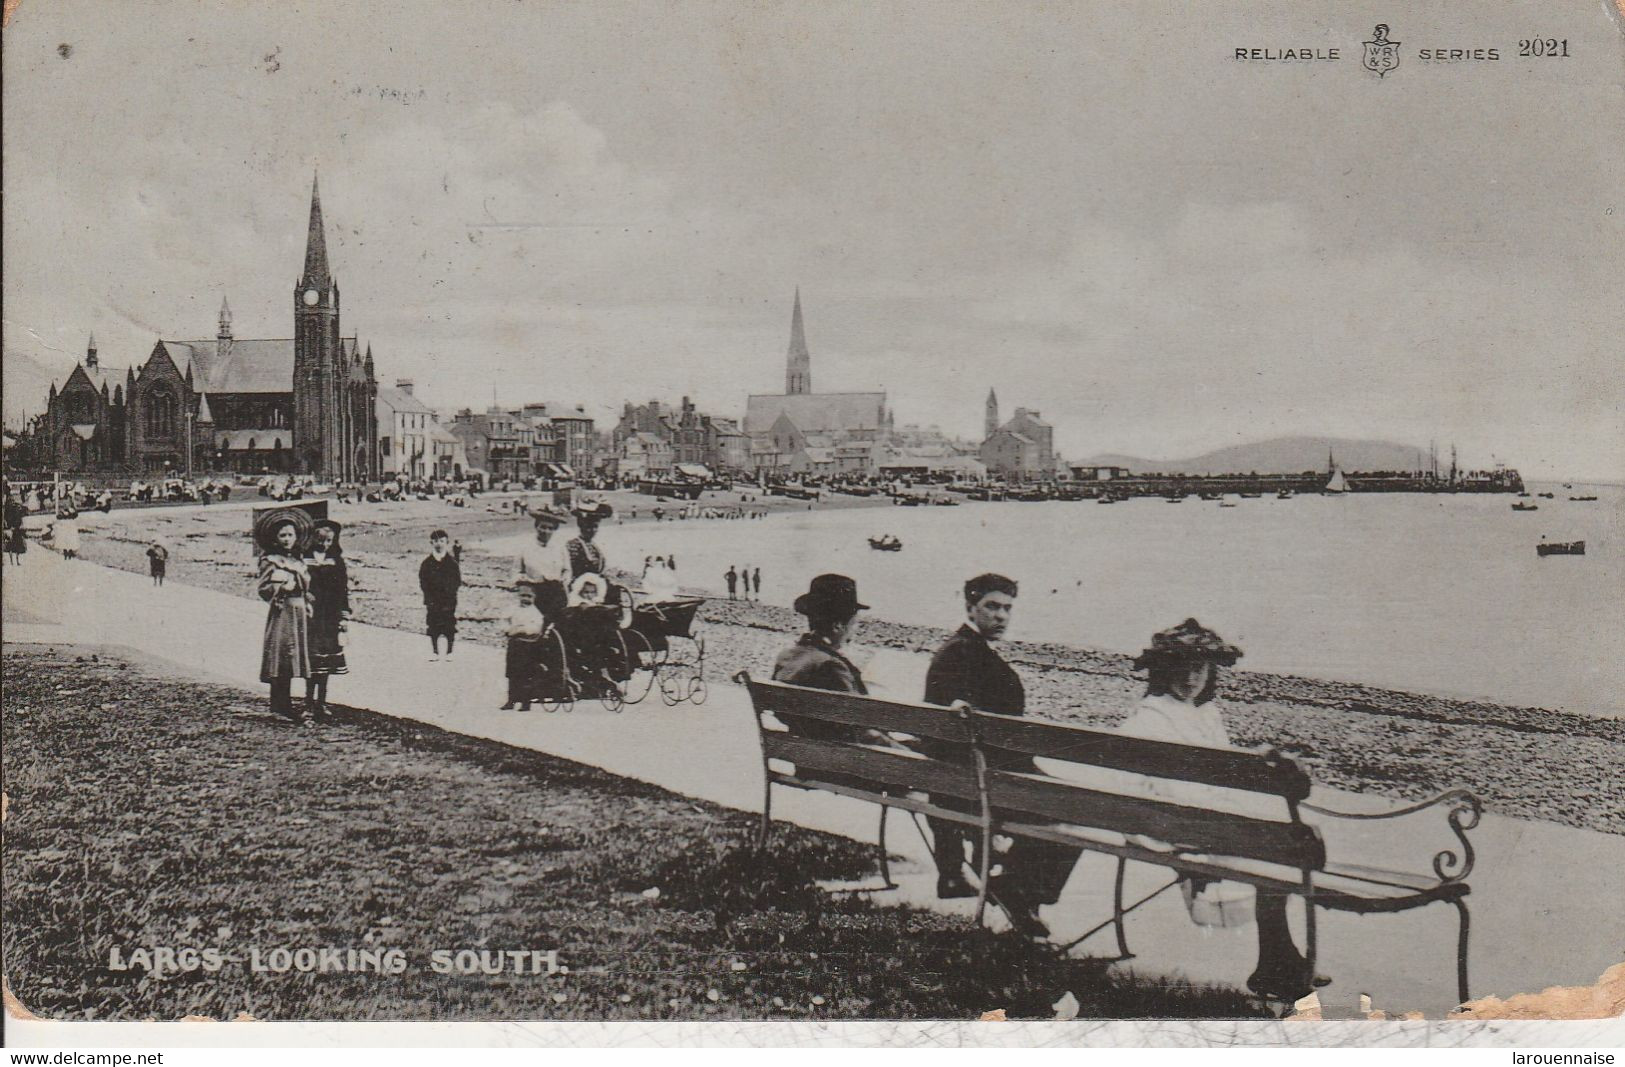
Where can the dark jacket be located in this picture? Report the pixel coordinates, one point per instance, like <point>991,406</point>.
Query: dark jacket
<point>813,663</point>
<point>440,579</point>
<point>967,668</point>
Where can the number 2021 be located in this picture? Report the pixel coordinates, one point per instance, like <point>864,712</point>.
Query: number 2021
<point>1548,46</point>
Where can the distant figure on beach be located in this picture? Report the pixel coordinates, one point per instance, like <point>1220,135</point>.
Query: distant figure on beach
<point>16,536</point>
<point>1182,677</point>
<point>756,582</point>
<point>65,532</point>
<point>284,582</point>
<point>330,613</point>
<point>457,551</point>
<point>439,577</point>
<point>157,562</point>
<point>731,576</point>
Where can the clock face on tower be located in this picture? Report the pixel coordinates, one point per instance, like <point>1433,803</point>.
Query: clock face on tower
<point>311,296</point>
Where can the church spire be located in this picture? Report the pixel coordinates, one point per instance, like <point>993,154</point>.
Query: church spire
<point>990,420</point>
<point>225,319</point>
<point>798,365</point>
<point>316,240</point>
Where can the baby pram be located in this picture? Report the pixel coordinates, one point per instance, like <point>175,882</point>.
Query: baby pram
<point>666,644</point>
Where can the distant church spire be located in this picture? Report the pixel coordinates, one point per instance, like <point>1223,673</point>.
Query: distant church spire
<point>798,366</point>
<point>990,423</point>
<point>225,320</point>
<point>90,352</point>
<point>316,240</point>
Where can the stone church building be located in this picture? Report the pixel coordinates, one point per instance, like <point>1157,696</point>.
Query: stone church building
<point>305,404</point>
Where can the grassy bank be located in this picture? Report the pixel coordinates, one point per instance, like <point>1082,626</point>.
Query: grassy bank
<point>146,812</point>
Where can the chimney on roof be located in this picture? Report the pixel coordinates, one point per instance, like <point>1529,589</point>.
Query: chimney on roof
<point>404,385</point>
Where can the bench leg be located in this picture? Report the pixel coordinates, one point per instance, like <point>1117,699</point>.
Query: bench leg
<point>1461,952</point>
<point>1311,940</point>
<point>885,860</point>
<point>1117,909</point>
<point>766,825</point>
<point>984,865</point>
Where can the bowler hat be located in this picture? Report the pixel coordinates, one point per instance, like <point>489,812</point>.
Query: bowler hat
<point>830,594</point>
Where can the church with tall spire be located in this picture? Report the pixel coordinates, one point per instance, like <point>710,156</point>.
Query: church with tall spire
<point>304,404</point>
<point>802,432</point>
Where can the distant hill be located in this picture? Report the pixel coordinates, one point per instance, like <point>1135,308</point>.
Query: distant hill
<point>1280,455</point>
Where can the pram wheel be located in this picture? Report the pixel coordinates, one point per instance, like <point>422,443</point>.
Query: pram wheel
<point>697,691</point>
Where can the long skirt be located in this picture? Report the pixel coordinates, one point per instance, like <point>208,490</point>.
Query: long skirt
<point>286,653</point>
<point>326,650</point>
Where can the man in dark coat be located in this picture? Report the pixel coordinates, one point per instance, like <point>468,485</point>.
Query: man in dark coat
<point>966,668</point>
<point>816,661</point>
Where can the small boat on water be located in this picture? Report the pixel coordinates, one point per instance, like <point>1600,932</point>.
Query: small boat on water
<point>1336,485</point>
<point>1525,507</point>
<point>1546,496</point>
<point>1175,499</point>
<point>1523,494</point>
<point>1561,548</point>
<point>1211,495</point>
<point>1251,496</point>
<point>1227,503</point>
<point>1582,498</point>
<point>944,502</point>
<point>1285,494</point>
<point>887,543</point>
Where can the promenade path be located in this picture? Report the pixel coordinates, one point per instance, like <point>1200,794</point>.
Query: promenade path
<point>1546,909</point>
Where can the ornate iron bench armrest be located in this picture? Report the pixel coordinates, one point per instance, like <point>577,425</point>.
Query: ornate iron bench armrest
<point>1463,811</point>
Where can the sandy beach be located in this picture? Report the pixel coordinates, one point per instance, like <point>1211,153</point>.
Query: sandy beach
<point>1522,761</point>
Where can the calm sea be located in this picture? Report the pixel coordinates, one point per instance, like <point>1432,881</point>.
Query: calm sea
<point>1434,594</point>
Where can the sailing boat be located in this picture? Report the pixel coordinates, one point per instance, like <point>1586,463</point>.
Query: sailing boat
<point>1335,485</point>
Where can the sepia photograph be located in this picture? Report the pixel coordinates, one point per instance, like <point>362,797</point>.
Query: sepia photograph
<point>657,511</point>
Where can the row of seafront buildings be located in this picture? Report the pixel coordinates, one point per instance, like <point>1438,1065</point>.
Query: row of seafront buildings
<point>313,404</point>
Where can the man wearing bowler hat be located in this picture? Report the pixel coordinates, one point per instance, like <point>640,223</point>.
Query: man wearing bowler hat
<point>967,668</point>
<point>816,661</point>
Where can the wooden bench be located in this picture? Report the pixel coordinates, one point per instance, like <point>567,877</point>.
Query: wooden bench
<point>1281,854</point>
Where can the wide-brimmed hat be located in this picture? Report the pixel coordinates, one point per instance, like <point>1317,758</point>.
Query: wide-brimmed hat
<point>1190,641</point>
<point>830,594</point>
<point>552,520</point>
<point>267,523</point>
<point>330,524</point>
<point>589,508</point>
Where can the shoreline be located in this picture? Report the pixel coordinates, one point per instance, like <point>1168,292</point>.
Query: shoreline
<point>1524,761</point>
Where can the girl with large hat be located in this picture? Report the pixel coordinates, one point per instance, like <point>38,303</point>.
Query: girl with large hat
<point>330,612</point>
<point>283,582</point>
<point>1182,678</point>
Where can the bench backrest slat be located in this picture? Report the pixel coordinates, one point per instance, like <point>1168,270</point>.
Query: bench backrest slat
<point>884,769</point>
<point>1196,829</point>
<point>1251,771</point>
<point>921,720</point>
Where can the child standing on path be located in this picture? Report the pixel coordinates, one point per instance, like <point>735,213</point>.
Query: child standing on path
<point>524,650</point>
<point>439,577</point>
<point>157,561</point>
<point>732,578</point>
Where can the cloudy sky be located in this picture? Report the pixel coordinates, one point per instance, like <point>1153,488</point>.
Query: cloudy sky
<point>1092,207</point>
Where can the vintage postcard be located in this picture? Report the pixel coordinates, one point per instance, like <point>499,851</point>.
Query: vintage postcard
<point>666,512</point>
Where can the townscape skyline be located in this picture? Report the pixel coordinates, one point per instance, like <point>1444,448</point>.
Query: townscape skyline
<point>1370,268</point>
